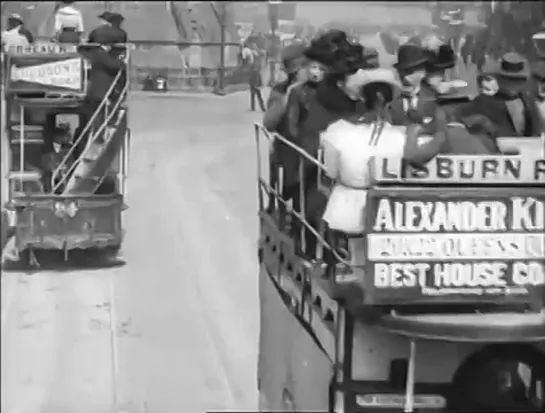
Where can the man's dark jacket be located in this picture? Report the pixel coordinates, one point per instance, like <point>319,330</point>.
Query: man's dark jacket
<point>495,109</point>
<point>104,68</point>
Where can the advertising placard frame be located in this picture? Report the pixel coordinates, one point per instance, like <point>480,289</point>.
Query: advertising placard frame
<point>412,296</point>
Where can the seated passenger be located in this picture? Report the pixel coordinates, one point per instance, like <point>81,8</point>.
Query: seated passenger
<point>349,148</point>
<point>512,109</point>
<point>61,145</point>
<point>14,36</point>
<point>471,134</point>
<point>538,73</point>
<point>68,23</point>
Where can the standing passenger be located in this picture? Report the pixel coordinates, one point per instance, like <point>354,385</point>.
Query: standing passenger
<point>68,23</point>
<point>13,38</point>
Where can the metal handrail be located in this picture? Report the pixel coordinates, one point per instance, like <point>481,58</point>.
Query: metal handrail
<point>102,105</point>
<point>87,127</point>
<point>272,136</point>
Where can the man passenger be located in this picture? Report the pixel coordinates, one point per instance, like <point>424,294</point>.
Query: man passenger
<point>513,110</point>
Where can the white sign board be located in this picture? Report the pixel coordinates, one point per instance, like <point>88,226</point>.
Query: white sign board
<point>63,73</point>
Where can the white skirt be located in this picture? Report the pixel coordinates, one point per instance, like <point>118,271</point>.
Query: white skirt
<point>345,210</point>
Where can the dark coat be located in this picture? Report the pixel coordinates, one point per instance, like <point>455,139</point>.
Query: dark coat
<point>328,105</point>
<point>426,107</point>
<point>495,109</point>
<point>104,68</point>
<point>460,141</point>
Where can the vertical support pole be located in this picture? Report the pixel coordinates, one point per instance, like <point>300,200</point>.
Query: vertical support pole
<point>220,90</point>
<point>21,143</point>
<point>409,386</point>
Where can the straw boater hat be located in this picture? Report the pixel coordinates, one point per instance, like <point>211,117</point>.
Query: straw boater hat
<point>513,66</point>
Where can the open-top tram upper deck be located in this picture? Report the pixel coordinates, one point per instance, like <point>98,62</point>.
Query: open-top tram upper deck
<point>67,159</point>
<point>448,272</point>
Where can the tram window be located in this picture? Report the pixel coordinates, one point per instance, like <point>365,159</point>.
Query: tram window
<point>68,120</point>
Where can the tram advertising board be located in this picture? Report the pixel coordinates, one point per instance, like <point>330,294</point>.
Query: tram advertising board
<point>464,245</point>
<point>45,72</point>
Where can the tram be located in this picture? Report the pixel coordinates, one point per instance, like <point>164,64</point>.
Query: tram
<point>67,172</point>
<point>436,306</point>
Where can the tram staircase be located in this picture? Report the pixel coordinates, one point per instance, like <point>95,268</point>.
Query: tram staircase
<point>104,141</point>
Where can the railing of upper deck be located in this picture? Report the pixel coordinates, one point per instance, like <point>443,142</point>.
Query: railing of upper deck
<point>276,191</point>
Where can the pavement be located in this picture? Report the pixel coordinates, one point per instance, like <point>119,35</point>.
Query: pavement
<point>175,329</point>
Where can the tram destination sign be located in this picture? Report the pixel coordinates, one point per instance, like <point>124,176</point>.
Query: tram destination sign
<point>464,246</point>
<point>51,73</point>
<point>466,169</point>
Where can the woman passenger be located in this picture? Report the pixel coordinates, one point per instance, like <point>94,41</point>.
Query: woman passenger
<point>349,147</point>
<point>68,23</point>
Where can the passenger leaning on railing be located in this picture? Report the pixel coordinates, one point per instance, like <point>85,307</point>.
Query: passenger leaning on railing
<point>105,65</point>
<point>337,97</point>
<point>275,119</point>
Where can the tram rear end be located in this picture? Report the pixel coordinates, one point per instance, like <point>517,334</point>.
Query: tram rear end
<point>437,306</point>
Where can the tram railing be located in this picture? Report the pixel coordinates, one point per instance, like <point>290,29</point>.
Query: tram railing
<point>274,190</point>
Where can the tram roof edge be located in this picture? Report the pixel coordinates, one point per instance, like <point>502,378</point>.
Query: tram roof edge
<point>501,327</point>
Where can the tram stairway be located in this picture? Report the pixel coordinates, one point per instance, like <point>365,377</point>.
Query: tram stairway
<point>104,133</point>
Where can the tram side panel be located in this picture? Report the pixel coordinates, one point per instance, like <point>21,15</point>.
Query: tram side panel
<point>274,344</point>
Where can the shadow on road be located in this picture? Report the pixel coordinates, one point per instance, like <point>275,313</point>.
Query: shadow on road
<point>50,260</point>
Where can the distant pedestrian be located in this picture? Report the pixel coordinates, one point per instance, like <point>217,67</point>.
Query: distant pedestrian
<point>251,60</point>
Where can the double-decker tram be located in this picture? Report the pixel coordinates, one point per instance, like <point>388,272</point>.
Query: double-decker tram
<point>67,169</point>
<point>435,305</point>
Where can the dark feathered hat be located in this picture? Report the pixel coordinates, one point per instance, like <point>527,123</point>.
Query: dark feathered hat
<point>338,54</point>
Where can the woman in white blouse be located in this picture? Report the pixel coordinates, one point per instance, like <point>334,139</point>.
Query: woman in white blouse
<point>68,23</point>
<point>348,149</point>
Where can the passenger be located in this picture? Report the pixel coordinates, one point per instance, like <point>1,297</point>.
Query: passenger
<point>275,119</point>
<point>292,58</point>
<point>104,68</point>
<point>538,74</point>
<point>13,38</point>
<point>338,96</point>
<point>68,23</point>
<point>512,110</point>
<point>61,145</point>
<point>467,135</point>
<point>349,148</point>
<point>414,101</point>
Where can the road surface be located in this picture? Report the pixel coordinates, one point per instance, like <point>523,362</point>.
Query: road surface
<point>175,329</point>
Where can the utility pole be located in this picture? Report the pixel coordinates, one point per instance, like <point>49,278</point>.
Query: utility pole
<point>220,89</point>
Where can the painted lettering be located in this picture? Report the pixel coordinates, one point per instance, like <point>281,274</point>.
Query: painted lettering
<point>470,275</point>
<point>398,275</point>
<point>529,273</point>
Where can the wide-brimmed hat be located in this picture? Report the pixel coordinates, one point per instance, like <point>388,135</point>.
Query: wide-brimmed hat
<point>512,66</point>
<point>441,59</point>
<point>380,75</point>
<point>16,17</point>
<point>116,18</point>
<point>410,56</point>
<point>105,15</point>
